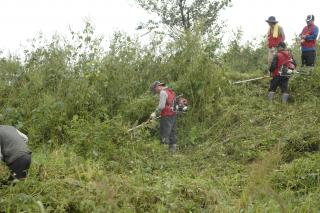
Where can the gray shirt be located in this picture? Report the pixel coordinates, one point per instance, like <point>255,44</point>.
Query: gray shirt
<point>163,100</point>
<point>12,144</point>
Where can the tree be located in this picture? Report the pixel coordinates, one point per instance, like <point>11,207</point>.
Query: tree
<point>184,15</point>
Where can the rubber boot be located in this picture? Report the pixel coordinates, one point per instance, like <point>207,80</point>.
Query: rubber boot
<point>285,97</point>
<point>172,148</point>
<point>270,95</point>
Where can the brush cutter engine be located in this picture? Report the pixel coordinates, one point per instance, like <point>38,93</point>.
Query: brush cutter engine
<point>287,70</point>
<point>180,104</point>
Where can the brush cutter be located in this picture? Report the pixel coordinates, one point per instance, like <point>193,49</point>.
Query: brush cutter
<point>143,124</point>
<point>287,74</point>
<point>252,79</point>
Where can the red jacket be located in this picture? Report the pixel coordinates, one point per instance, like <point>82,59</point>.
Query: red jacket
<point>308,30</point>
<point>168,109</point>
<point>282,58</point>
<point>273,42</point>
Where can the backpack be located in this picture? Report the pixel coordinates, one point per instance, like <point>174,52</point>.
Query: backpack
<point>287,70</point>
<point>180,104</point>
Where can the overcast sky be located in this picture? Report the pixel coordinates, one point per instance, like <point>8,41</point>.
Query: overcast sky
<point>250,15</point>
<point>24,19</point>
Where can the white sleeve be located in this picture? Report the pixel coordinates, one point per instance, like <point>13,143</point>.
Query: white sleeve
<point>25,138</point>
<point>162,101</point>
<point>0,154</point>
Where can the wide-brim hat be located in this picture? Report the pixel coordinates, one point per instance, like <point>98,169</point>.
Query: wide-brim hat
<point>154,85</point>
<point>272,19</point>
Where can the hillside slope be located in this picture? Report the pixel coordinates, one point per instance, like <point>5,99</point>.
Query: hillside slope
<point>237,152</point>
<point>255,156</point>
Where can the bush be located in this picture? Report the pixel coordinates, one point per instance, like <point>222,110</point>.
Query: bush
<point>96,139</point>
<point>301,176</point>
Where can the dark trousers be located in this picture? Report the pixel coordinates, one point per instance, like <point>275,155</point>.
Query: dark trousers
<point>19,167</point>
<point>279,81</point>
<point>168,130</point>
<point>308,58</point>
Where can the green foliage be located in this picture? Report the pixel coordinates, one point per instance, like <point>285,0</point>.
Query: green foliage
<point>185,15</point>
<point>236,151</point>
<point>48,120</point>
<point>57,184</point>
<point>96,139</point>
<point>251,56</point>
<point>138,109</point>
<point>301,176</point>
<point>300,142</point>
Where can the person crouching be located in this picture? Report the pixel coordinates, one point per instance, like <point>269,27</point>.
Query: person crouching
<point>14,152</point>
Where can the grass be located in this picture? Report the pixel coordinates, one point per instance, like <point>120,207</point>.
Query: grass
<point>237,153</point>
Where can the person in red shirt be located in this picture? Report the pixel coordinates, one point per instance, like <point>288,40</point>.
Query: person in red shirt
<point>308,37</point>
<point>168,117</point>
<point>281,64</point>
<point>274,37</point>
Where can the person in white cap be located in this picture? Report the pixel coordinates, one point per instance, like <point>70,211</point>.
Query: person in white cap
<point>274,37</point>
<point>308,37</point>
<point>168,117</point>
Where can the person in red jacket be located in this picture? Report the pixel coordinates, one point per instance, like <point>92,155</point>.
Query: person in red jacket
<point>281,66</point>
<point>274,37</point>
<point>168,119</point>
<point>308,37</point>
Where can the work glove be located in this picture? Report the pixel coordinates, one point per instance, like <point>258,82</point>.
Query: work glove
<point>153,115</point>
